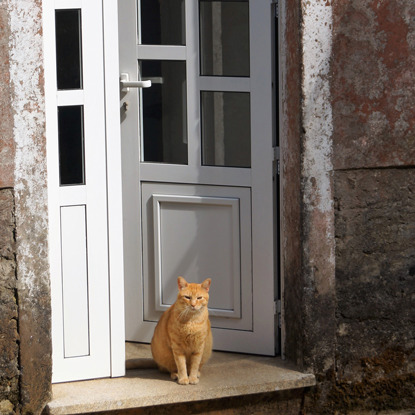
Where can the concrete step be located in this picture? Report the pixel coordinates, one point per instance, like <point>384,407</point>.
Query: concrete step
<point>225,375</point>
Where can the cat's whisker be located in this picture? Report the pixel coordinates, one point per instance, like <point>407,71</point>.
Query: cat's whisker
<point>184,313</point>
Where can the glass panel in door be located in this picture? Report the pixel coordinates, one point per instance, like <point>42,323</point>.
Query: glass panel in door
<point>164,115</point>
<point>71,145</point>
<point>68,49</point>
<point>226,129</point>
<point>162,22</point>
<point>225,57</point>
<point>224,37</point>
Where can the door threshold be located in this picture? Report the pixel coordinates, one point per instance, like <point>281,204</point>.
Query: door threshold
<point>225,375</point>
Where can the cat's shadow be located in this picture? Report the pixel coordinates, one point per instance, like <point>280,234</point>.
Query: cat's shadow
<point>148,374</point>
<point>142,366</point>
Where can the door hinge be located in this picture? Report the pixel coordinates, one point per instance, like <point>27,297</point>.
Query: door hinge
<point>277,160</point>
<point>276,153</point>
<point>277,311</point>
<point>275,3</point>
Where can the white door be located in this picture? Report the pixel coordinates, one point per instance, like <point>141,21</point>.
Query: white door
<point>197,164</point>
<point>85,327</point>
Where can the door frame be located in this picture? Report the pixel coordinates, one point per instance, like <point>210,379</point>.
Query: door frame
<point>114,187</point>
<point>110,57</point>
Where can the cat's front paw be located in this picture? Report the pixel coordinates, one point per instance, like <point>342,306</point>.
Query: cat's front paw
<point>183,381</point>
<point>193,380</point>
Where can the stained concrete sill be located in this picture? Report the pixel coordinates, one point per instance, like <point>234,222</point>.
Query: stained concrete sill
<point>225,375</point>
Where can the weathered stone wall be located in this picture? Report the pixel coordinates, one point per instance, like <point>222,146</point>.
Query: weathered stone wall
<point>375,279</point>
<point>375,269</point>
<point>6,119</point>
<point>9,337</point>
<point>25,337</point>
<point>372,97</point>
<point>30,193</point>
<point>373,85</point>
<point>290,133</point>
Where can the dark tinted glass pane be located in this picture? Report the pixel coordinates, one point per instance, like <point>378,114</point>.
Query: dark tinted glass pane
<point>226,129</point>
<point>68,49</point>
<point>162,22</point>
<point>224,37</point>
<point>71,145</point>
<point>164,112</point>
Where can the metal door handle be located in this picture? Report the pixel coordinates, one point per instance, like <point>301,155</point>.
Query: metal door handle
<point>135,84</point>
<point>155,80</point>
<point>126,84</point>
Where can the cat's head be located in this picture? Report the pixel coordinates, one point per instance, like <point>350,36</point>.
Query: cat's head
<point>193,297</point>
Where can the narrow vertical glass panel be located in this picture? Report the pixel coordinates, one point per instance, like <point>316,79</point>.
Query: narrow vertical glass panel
<point>71,145</point>
<point>162,22</point>
<point>226,129</point>
<point>164,126</point>
<point>224,37</point>
<point>68,48</point>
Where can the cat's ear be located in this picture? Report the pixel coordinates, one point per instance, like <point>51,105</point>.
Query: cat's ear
<point>206,284</point>
<point>182,283</point>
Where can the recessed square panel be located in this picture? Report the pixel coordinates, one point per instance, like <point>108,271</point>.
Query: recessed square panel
<point>74,281</point>
<point>198,231</point>
<point>198,237</point>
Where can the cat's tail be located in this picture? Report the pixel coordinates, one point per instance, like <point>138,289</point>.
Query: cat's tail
<point>141,363</point>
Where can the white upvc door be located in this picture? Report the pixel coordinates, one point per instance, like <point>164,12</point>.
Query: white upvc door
<point>84,192</point>
<point>197,151</point>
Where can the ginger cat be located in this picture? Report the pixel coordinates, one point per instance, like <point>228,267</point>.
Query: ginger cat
<point>182,340</point>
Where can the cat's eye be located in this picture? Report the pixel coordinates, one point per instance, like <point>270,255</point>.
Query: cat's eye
<point>187,297</point>
<point>199,298</point>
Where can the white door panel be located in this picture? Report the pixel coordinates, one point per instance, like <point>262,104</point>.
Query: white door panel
<point>197,166</point>
<point>79,197</point>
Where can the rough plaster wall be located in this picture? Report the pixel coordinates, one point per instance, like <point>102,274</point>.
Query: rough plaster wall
<point>317,189</point>
<point>26,76</point>
<point>9,336</point>
<point>6,117</point>
<point>355,330</point>
<point>375,272</point>
<point>373,95</point>
<point>290,124</point>
<point>374,83</point>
